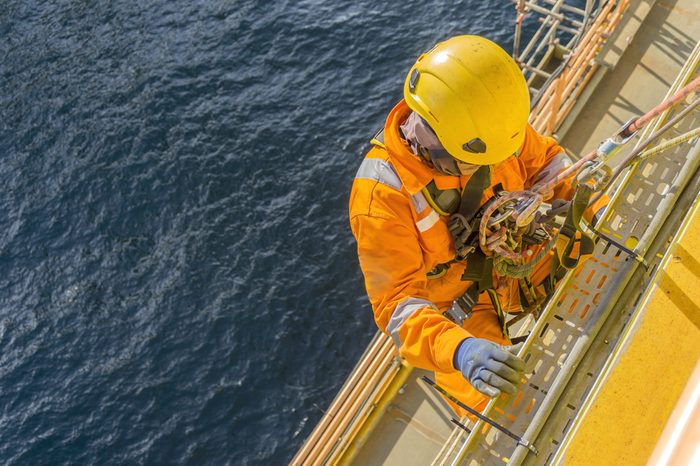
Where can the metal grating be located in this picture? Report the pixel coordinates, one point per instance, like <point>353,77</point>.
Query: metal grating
<point>564,373</point>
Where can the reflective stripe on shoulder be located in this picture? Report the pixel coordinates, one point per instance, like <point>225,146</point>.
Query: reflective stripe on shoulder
<point>426,223</point>
<point>404,310</point>
<point>379,170</point>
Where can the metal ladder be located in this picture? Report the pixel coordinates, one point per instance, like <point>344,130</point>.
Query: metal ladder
<point>579,330</point>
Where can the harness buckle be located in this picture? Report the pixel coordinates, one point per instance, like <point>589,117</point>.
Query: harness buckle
<point>461,231</point>
<point>461,309</point>
<point>456,314</point>
<point>536,234</point>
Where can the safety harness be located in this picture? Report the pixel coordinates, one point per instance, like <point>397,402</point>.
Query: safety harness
<point>463,226</point>
<point>465,211</point>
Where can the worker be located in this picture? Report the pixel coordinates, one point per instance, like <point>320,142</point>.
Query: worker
<point>459,136</point>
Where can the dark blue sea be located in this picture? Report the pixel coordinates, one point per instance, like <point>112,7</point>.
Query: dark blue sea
<point>178,280</point>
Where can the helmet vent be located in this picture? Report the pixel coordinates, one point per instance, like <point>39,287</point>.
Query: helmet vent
<point>475,146</point>
<point>413,81</point>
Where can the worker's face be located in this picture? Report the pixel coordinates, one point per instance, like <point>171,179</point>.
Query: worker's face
<point>467,168</point>
<point>431,149</point>
<point>444,163</point>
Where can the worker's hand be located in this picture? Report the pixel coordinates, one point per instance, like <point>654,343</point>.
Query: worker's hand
<point>489,367</point>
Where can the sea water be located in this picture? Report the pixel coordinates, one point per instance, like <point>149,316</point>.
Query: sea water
<point>178,280</point>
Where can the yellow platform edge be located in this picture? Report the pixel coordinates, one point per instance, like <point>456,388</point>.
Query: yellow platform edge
<point>644,384</point>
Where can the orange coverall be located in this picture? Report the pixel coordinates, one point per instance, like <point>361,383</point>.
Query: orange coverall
<point>400,238</point>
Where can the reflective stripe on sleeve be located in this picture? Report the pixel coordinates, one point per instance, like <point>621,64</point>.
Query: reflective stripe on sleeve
<point>404,310</point>
<point>427,222</point>
<point>419,202</point>
<point>379,170</point>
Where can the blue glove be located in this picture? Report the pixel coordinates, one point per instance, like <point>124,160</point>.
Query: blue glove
<point>489,367</point>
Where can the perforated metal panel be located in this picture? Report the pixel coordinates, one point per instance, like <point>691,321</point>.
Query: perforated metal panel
<point>557,347</point>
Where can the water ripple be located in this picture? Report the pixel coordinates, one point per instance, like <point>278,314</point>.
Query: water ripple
<point>177,277</point>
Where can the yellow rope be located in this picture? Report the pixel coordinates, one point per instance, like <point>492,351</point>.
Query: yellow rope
<point>507,269</point>
<point>668,144</point>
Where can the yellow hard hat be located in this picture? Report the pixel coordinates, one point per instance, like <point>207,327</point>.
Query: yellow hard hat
<point>473,96</point>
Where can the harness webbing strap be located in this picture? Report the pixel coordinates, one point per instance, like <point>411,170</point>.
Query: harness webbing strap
<point>499,311</point>
<point>473,191</point>
<point>479,270</point>
<point>479,267</point>
<point>461,308</point>
<point>460,224</point>
<point>571,230</point>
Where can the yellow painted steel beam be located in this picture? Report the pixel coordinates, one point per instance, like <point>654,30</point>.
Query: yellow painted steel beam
<point>376,415</point>
<point>630,411</point>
